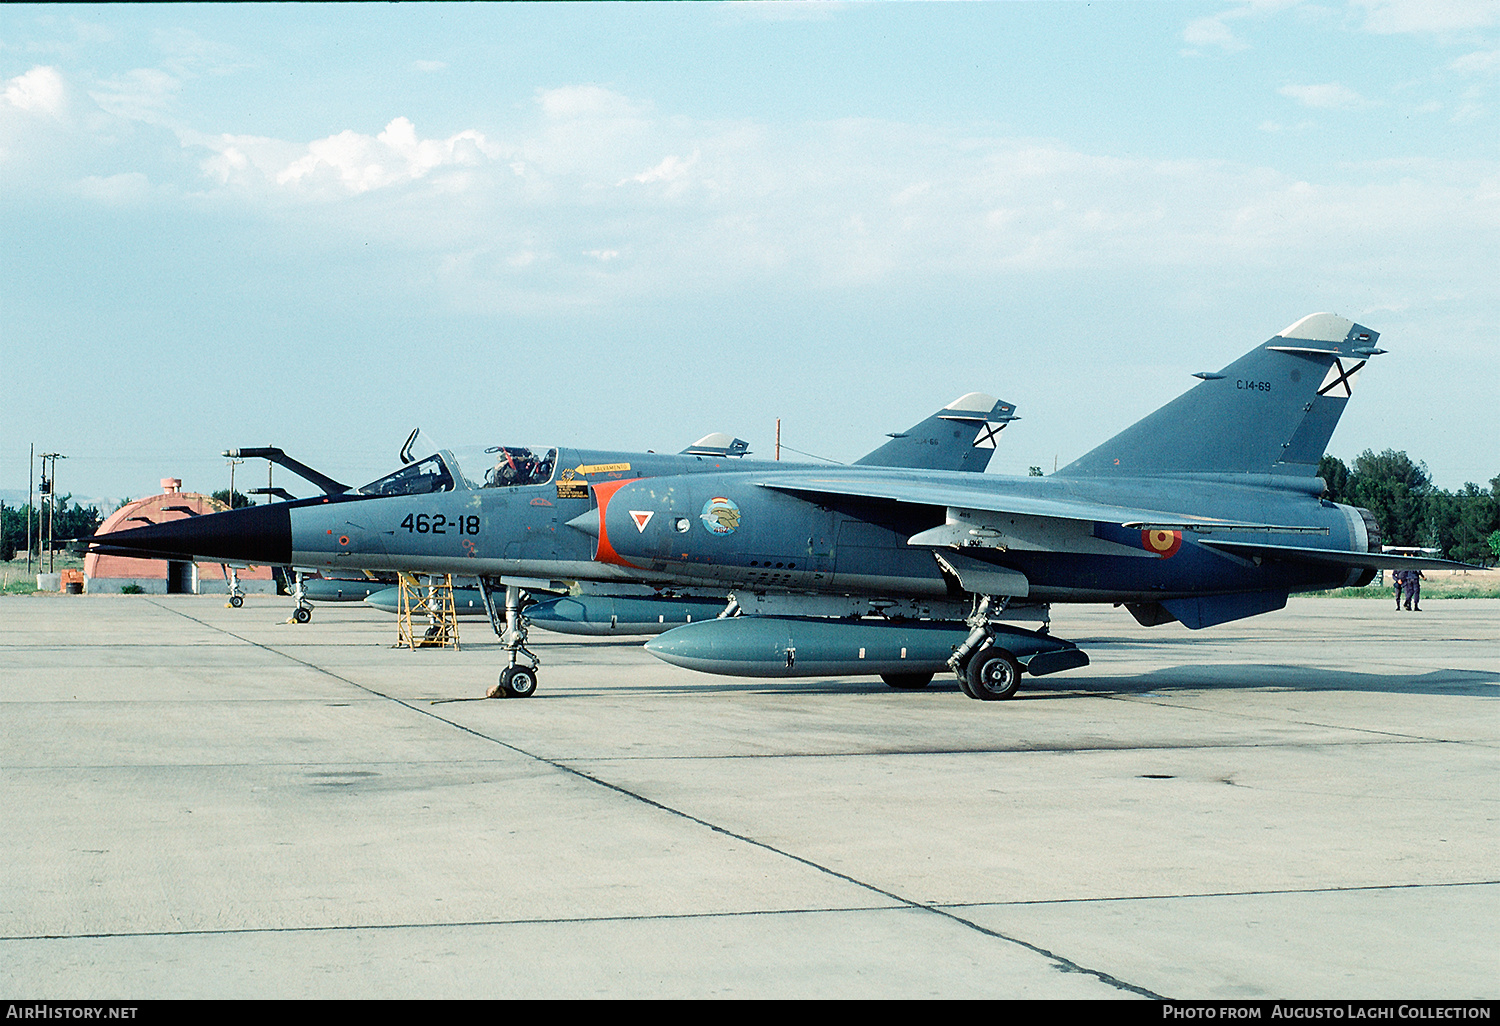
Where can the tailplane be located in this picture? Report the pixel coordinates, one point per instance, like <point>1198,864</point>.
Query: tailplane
<point>960,436</point>
<point>1272,411</point>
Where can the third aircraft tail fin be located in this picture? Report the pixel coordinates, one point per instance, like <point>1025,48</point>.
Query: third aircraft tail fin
<point>1272,411</point>
<point>960,436</point>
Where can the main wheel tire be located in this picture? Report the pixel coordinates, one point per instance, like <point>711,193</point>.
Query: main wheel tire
<point>907,681</point>
<point>963,677</point>
<point>302,614</point>
<point>236,601</point>
<point>518,682</point>
<point>994,674</point>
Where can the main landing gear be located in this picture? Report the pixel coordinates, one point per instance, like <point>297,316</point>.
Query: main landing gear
<point>985,670</point>
<point>517,680</point>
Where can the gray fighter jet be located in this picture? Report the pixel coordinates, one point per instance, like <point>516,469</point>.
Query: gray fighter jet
<point>1206,511</point>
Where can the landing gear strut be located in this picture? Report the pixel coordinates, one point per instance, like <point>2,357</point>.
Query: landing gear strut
<point>984,671</point>
<point>516,680</point>
<point>303,612</point>
<point>232,579</point>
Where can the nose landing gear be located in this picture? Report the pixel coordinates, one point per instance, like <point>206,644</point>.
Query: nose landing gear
<point>517,680</point>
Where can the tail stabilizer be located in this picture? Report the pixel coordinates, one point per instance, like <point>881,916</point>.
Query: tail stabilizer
<point>1272,411</point>
<point>960,436</point>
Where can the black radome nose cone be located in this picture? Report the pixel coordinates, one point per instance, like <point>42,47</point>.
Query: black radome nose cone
<point>254,534</point>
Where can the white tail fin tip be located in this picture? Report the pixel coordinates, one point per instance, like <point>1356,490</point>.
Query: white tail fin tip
<point>1319,327</point>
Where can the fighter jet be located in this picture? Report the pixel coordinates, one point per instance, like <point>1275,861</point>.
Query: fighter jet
<point>501,516</point>
<point>1206,511</point>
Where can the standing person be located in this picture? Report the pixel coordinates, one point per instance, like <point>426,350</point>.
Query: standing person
<point>1414,590</point>
<point>1398,581</point>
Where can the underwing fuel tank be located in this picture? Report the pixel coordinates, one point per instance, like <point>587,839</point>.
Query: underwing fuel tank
<point>466,601</point>
<point>340,589</point>
<point>620,614</point>
<point>776,646</point>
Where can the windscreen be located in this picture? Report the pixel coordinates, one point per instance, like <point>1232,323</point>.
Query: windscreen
<point>506,466</point>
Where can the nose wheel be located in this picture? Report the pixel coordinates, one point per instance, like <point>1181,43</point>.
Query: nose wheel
<point>303,612</point>
<point>517,680</point>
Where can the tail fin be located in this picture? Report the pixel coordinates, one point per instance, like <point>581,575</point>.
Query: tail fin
<point>718,444</point>
<point>960,436</point>
<point>1272,411</point>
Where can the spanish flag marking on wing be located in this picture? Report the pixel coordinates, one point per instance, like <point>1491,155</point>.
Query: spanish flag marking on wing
<point>1164,543</point>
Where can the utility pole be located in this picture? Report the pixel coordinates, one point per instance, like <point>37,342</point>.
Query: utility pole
<point>232,465</point>
<point>49,486</point>
<point>30,484</point>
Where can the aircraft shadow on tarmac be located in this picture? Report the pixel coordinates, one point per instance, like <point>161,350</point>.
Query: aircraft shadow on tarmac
<point>1282,677</point>
<point>1194,677</point>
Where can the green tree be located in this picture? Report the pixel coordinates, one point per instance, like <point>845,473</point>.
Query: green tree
<point>73,522</point>
<point>239,498</point>
<point>1457,523</point>
<point>1336,477</point>
<point>1395,490</point>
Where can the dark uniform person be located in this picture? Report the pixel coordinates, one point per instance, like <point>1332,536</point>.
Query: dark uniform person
<point>1414,590</point>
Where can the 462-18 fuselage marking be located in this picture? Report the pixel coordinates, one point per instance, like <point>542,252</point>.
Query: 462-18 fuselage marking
<point>437,523</point>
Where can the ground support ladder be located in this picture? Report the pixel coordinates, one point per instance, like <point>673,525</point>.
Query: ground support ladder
<point>432,604</point>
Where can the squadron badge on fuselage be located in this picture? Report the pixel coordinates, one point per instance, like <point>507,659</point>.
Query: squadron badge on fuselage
<point>720,515</point>
<point>570,486</point>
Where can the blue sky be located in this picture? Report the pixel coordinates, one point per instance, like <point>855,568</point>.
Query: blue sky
<point>625,226</point>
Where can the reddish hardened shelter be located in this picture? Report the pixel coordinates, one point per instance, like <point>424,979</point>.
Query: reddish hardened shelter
<point>104,575</point>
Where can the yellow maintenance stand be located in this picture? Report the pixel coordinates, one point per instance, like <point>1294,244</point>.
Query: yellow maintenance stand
<point>432,605</point>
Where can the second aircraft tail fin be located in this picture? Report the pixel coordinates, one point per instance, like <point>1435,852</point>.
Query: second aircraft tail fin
<point>960,436</point>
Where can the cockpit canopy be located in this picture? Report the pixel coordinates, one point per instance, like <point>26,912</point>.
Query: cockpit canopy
<point>419,478</point>
<point>505,466</point>
<point>514,465</point>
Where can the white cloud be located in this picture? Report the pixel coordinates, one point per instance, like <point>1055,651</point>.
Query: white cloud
<point>586,101</point>
<point>348,163</point>
<point>1212,31</point>
<point>144,94</point>
<point>1481,62</point>
<point>1327,96</point>
<point>593,197</point>
<point>430,66</point>
<point>128,188</point>
<point>40,90</point>
<point>1390,17</point>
